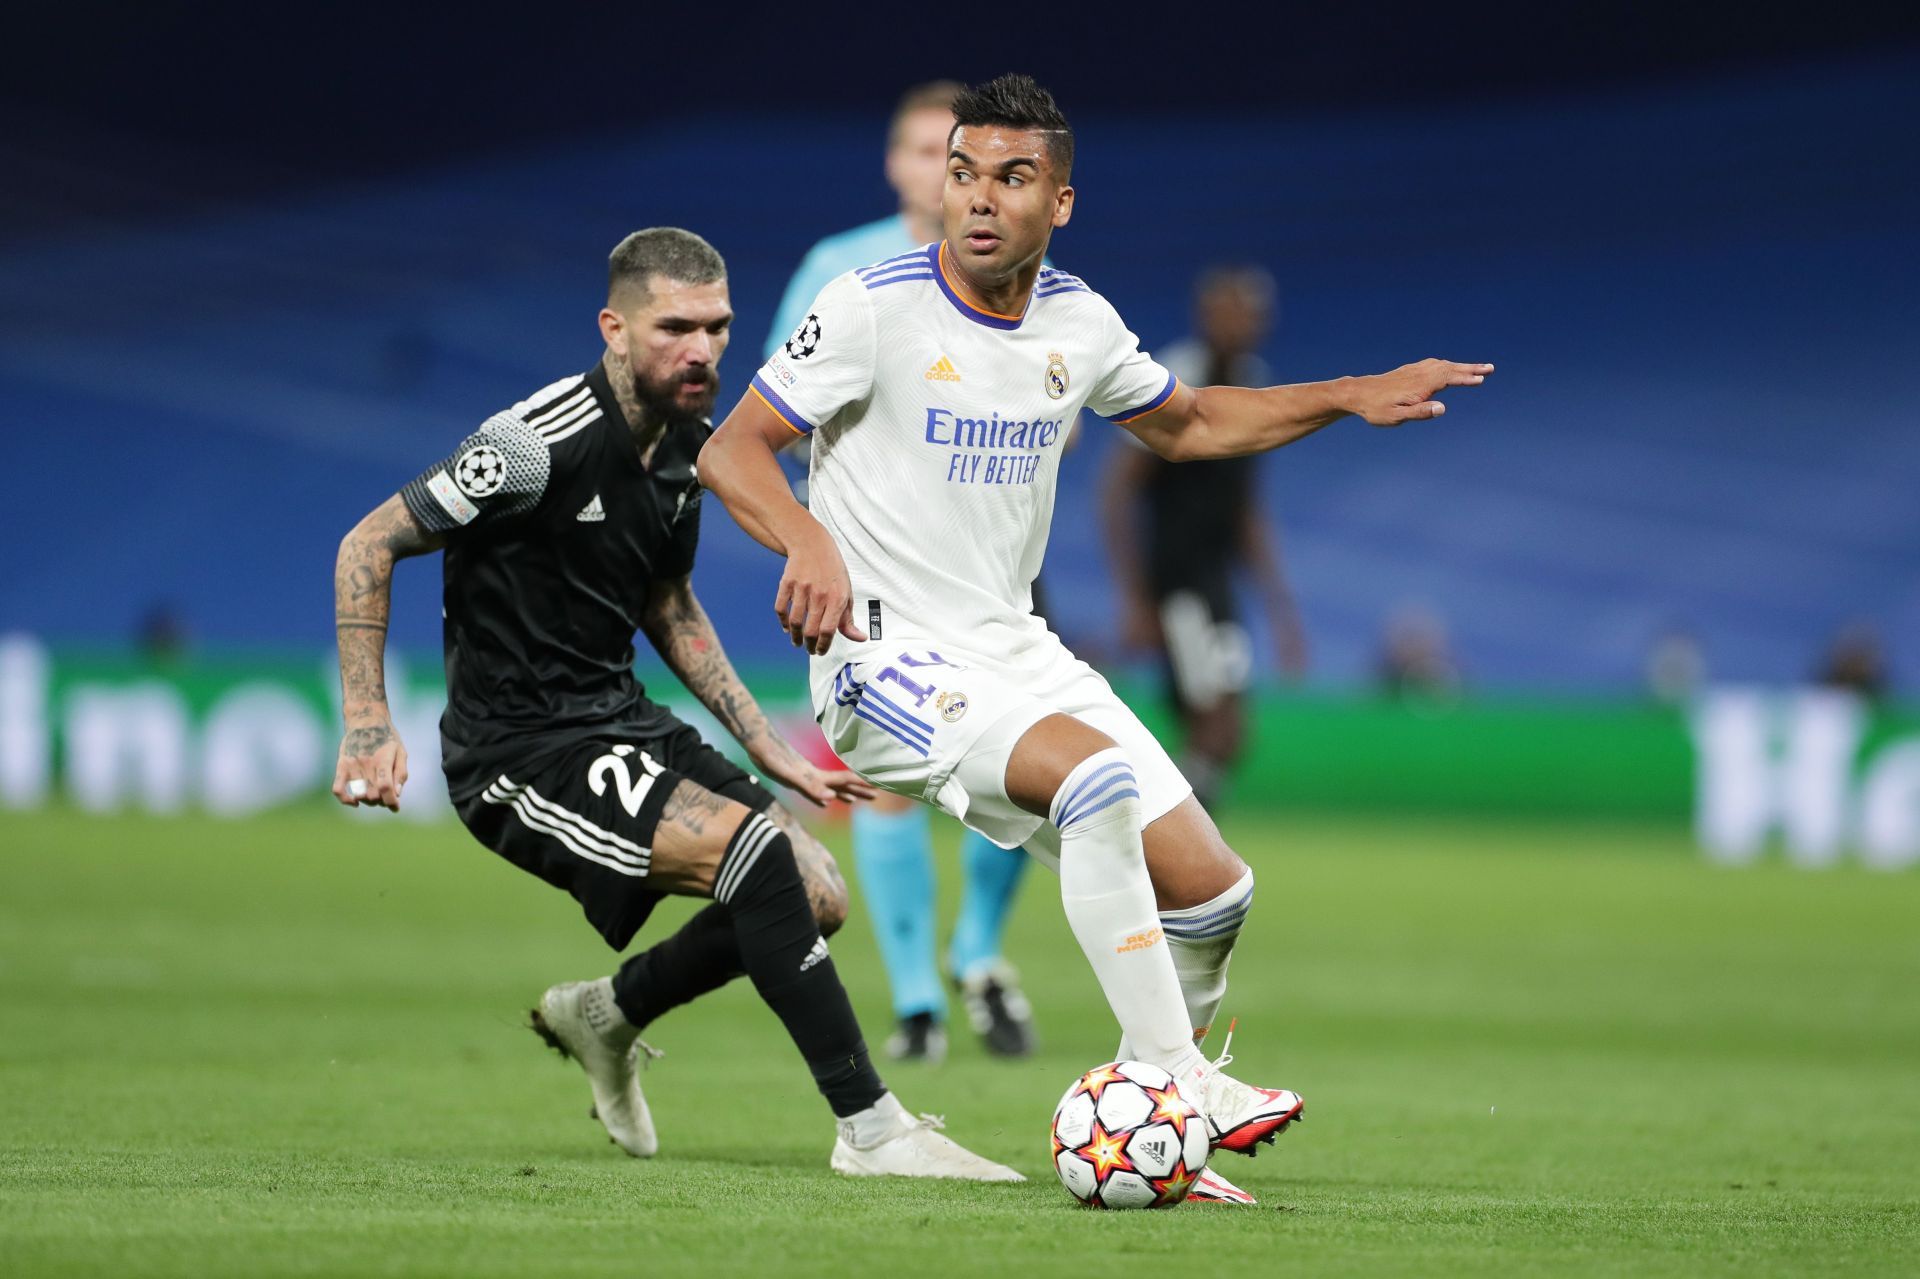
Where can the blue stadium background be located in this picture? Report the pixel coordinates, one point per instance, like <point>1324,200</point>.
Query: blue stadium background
<point>1700,288</point>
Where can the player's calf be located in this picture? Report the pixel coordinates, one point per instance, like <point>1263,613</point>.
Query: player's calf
<point>826,888</point>
<point>1086,787</point>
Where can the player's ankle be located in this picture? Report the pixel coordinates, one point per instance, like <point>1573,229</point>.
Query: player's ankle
<point>603,1013</point>
<point>881,1122</point>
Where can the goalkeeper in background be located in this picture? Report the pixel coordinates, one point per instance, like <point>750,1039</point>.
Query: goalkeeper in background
<point>892,836</point>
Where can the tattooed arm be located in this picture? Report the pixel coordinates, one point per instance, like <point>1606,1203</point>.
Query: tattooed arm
<point>371,752</point>
<point>680,630</point>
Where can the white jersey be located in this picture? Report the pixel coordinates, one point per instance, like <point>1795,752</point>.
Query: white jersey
<point>937,432</point>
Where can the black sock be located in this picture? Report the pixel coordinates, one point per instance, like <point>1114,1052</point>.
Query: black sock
<point>702,956</point>
<point>786,957</point>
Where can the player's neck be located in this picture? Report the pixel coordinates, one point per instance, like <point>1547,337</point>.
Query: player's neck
<point>1002,297</point>
<point>646,432</point>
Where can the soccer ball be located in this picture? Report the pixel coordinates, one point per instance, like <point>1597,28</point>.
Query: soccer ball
<point>1124,1137</point>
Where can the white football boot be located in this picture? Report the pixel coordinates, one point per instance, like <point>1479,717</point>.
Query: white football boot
<point>1211,1188</point>
<point>579,1020</point>
<point>1240,1116</point>
<point>885,1141</point>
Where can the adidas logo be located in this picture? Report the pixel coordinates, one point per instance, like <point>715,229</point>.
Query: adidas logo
<point>593,512</point>
<point>943,371</point>
<point>814,956</point>
<point>1154,1150</point>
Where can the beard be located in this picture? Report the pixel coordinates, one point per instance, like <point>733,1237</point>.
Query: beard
<point>667,400</point>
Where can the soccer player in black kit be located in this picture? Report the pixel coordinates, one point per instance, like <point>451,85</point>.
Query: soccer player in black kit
<point>569,521</point>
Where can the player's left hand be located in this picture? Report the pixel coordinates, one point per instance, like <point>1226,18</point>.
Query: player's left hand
<point>820,785</point>
<point>1406,394</point>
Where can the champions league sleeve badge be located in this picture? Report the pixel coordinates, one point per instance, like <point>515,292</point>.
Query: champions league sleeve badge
<point>805,340</point>
<point>480,471</point>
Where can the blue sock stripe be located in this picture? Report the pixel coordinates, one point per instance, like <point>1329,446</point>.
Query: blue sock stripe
<point>1088,785</point>
<point>1236,911</point>
<point>1209,935</point>
<point>1109,801</point>
<point>1079,804</point>
<point>1093,779</point>
<point>1092,804</point>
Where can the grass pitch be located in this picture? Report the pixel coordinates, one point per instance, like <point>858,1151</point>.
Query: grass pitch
<point>294,1045</point>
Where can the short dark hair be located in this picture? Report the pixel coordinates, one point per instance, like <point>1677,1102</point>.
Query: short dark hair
<point>679,255</point>
<point>1018,102</point>
<point>936,95</point>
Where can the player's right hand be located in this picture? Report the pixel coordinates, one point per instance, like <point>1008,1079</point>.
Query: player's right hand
<point>1406,394</point>
<point>815,600</point>
<point>372,755</point>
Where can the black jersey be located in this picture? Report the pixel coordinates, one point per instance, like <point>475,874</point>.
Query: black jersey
<point>555,534</point>
<point>1196,511</point>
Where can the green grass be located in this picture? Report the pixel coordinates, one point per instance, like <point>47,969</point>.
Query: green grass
<point>293,1046</point>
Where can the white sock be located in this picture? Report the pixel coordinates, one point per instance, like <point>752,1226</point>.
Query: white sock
<point>882,1121</point>
<point>1201,940</point>
<point>1109,904</point>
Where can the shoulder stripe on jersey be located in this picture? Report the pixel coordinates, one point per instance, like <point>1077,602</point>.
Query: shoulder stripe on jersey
<point>559,408</point>
<point>555,421</point>
<point>865,271</point>
<point>899,279</point>
<point>897,273</point>
<point>915,263</point>
<point>549,395</point>
<point>1048,290</point>
<point>579,424</point>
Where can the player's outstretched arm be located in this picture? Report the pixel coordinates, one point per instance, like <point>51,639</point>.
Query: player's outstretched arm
<point>681,631</point>
<point>740,466</point>
<point>1232,421</point>
<point>371,753</point>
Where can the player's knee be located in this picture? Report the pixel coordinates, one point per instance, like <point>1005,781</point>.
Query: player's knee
<point>827,891</point>
<point>1101,789</point>
<point>1222,873</point>
<point>758,866</point>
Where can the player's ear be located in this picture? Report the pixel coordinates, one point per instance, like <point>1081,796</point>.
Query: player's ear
<point>613,327</point>
<point>1062,206</point>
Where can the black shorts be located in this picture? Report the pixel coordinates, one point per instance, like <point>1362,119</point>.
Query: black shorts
<point>583,818</point>
<point>1206,656</point>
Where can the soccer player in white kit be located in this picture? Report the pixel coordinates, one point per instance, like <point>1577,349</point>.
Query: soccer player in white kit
<point>938,386</point>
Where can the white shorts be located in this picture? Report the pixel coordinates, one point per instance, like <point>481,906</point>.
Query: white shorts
<point>927,719</point>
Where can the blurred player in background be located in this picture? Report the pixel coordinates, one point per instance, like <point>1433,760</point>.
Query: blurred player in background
<point>1178,533</point>
<point>892,837</point>
<point>570,521</point>
<point>907,580</point>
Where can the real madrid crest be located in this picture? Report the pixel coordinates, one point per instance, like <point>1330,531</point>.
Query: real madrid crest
<point>1056,375</point>
<point>952,706</point>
